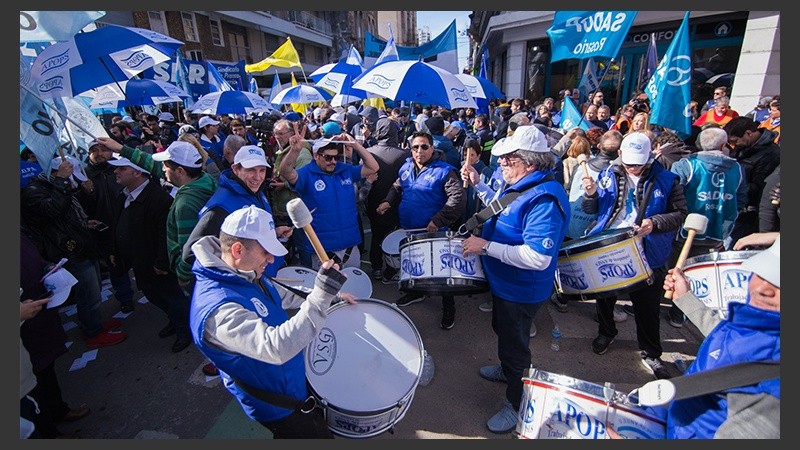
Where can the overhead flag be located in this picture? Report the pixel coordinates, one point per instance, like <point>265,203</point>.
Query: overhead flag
<point>48,26</point>
<point>441,51</point>
<point>650,62</point>
<point>180,77</point>
<point>276,87</point>
<point>37,129</point>
<point>669,89</point>
<point>484,63</point>
<point>571,117</point>
<point>299,108</point>
<point>588,34</point>
<point>589,81</point>
<point>253,85</point>
<point>216,82</point>
<point>354,58</point>
<point>284,56</point>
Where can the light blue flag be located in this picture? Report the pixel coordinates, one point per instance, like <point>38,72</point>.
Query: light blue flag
<point>389,52</point>
<point>216,82</point>
<point>253,85</point>
<point>48,26</point>
<point>36,128</point>
<point>589,81</point>
<point>571,117</point>
<point>181,79</point>
<point>588,34</point>
<point>276,88</point>
<point>483,73</point>
<point>669,90</point>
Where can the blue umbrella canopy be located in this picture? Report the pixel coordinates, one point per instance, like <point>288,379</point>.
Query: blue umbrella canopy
<point>106,55</point>
<point>302,94</point>
<point>230,102</point>
<point>480,87</point>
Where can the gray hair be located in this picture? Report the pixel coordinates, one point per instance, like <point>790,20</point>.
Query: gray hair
<point>541,160</point>
<point>234,142</point>
<point>712,139</point>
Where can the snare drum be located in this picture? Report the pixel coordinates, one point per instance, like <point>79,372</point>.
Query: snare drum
<point>716,278</point>
<point>391,248</point>
<point>364,367</point>
<point>609,262</point>
<point>432,263</point>
<point>358,283</point>
<point>559,407</point>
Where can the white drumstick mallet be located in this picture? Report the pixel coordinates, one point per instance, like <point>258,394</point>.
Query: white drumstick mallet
<point>301,218</point>
<point>694,223</point>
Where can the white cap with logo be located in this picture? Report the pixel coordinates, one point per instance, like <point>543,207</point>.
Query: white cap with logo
<point>250,156</point>
<point>122,161</point>
<point>254,223</point>
<point>635,149</point>
<point>180,152</point>
<point>525,137</point>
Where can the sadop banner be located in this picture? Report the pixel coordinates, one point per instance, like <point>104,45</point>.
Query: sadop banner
<point>202,78</point>
<point>588,34</point>
<point>233,73</point>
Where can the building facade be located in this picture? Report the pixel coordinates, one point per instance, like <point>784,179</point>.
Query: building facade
<point>404,27</point>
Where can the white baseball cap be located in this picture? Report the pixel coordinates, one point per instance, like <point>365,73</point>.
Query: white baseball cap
<point>77,171</point>
<point>122,161</point>
<point>525,137</point>
<point>766,263</point>
<point>254,223</point>
<point>635,148</point>
<point>250,156</point>
<point>337,117</point>
<point>167,117</point>
<point>205,120</point>
<point>180,152</point>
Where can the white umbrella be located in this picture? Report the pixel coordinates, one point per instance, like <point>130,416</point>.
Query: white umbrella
<point>302,94</point>
<point>136,92</point>
<point>418,82</point>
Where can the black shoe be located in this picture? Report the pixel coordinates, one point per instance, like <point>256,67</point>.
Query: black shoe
<point>377,274</point>
<point>448,318</point>
<point>628,309</point>
<point>167,331</point>
<point>394,279</point>
<point>600,344</point>
<point>408,300</point>
<point>656,367</point>
<point>676,317</point>
<point>180,344</point>
<point>127,307</point>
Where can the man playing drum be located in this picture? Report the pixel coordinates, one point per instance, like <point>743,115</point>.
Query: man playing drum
<point>519,249</point>
<point>637,191</point>
<point>430,196</point>
<point>238,320</point>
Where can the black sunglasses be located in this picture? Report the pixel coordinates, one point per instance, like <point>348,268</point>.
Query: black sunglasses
<point>421,146</point>
<point>329,158</point>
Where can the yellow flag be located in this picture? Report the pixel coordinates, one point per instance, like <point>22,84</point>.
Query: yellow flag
<point>377,102</point>
<point>297,107</point>
<point>284,56</point>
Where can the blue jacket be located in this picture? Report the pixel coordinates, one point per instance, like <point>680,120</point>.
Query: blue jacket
<point>214,288</point>
<point>657,245</point>
<point>332,198</point>
<point>423,194</point>
<point>749,334</point>
<point>537,218</point>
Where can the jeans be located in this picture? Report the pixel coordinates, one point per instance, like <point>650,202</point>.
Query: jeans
<point>511,323</point>
<point>123,288</point>
<point>86,293</point>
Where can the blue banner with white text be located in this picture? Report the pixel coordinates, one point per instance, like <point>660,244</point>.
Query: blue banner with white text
<point>588,34</point>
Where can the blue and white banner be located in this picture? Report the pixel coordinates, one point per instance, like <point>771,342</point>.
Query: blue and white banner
<point>669,90</point>
<point>277,87</point>
<point>588,34</point>
<point>233,74</point>
<point>48,26</point>
<point>571,117</point>
<point>203,77</point>
<point>589,81</point>
<point>441,51</point>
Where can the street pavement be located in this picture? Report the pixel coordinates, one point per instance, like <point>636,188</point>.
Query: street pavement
<point>139,389</point>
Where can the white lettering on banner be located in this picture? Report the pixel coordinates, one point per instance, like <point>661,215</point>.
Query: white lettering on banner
<point>680,76</point>
<point>196,73</point>
<point>589,47</point>
<point>599,21</point>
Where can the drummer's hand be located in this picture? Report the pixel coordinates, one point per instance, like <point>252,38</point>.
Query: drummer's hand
<point>764,239</point>
<point>347,297</point>
<point>612,433</point>
<point>645,228</point>
<point>472,245</point>
<point>382,208</point>
<point>330,263</point>
<point>676,282</point>
<point>284,232</point>
<point>431,228</point>
<point>589,186</point>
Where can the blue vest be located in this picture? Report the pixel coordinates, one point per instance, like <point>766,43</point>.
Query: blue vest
<point>423,194</point>
<point>657,245</point>
<point>215,147</point>
<point>215,288</point>
<point>713,194</point>
<point>332,198</point>
<point>749,334</point>
<point>230,196</point>
<point>534,218</point>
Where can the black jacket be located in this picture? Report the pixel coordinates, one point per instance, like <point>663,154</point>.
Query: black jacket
<point>758,162</point>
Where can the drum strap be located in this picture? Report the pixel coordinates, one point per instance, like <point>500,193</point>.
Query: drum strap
<point>725,377</point>
<point>279,400</point>
<point>497,206</point>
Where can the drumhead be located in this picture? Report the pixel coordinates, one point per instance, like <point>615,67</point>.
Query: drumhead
<point>366,358</point>
<point>358,283</point>
<point>732,256</point>
<point>391,243</point>
<point>297,277</point>
<point>598,240</point>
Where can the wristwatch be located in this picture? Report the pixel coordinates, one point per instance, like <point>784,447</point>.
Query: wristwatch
<point>485,248</point>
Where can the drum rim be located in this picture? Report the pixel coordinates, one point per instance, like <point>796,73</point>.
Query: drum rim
<point>729,256</point>
<point>614,236</point>
<point>422,237</point>
<point>414,329</point>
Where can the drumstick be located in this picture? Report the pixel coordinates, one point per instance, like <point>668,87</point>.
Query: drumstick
<point>286,280</point>
<point>301,218</point>
<point>695,223</point>
<point>582,161</point>
<point>415,229</point>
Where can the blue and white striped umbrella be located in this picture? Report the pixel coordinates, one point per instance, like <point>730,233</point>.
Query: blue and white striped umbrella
<point>480,87</point>
<point>231,102</point>
<point>106,55</point>
<point>302,94</point>
<point>418,82</point>
<point>137,92</point>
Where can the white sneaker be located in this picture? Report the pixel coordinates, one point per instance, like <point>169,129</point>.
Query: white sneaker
<point>486,306</point>
<point>619,314</point>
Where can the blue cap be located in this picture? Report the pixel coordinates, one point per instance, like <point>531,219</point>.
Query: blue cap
<point>292,116</point>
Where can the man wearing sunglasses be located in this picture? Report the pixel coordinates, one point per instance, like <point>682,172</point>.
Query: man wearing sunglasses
<point>428,195</point>
<point>637,191</point>
<point>327,187</point>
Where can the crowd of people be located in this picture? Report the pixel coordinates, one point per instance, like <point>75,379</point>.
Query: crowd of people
<point>200,211</point>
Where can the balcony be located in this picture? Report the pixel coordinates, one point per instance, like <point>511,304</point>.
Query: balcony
<point>310,21</point>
